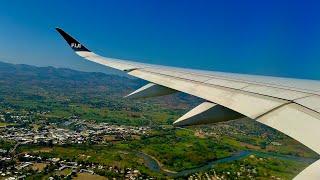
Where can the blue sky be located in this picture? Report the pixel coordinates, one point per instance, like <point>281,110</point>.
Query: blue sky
<point>278,38</point>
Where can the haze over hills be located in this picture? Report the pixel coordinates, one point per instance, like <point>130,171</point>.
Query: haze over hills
<point>70,86</point>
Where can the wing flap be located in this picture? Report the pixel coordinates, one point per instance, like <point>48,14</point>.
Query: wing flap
<point>303,124</point>
<point>311,102</point>
<point>310,173</point>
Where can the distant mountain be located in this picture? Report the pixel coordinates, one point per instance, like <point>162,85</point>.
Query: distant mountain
<point>62,79</point>
<point>26,87</point>
<point>22,72</point>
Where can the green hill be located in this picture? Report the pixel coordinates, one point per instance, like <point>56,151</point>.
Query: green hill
<point>93,96</point>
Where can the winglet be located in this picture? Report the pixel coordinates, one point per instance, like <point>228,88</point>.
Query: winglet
<point>73,43</point>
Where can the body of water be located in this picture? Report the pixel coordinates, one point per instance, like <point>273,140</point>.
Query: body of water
<point>154,165</point>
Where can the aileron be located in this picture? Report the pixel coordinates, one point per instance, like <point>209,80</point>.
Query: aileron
<point>311,102</point>
<point>296,121</point>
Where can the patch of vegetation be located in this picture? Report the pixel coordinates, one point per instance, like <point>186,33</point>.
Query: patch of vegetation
<point>54,95</point>
<point>179,149</point>
<point>6,145</point>
<point>257,167</point>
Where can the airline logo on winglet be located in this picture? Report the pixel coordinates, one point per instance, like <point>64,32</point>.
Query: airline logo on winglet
<point>75,45</point>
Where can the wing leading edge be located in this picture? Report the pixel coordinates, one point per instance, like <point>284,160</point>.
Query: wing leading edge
<point>287,105</point>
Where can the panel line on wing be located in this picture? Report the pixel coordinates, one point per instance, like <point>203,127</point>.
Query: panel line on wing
<point>239,101</point>
<point>194,81</point>
<point>234,79</point>
<point>256,82</point>
<point>282,92</point>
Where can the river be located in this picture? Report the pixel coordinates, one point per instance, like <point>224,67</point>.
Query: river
<point>154,165</point>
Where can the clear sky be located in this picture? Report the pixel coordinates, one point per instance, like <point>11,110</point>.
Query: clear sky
<point>279,38</point>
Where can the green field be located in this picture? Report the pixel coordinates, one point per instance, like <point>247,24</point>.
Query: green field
<point>56,95</point>
<point>175,150</point>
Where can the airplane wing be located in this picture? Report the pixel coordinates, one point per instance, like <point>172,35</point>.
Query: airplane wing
<point>291,106</point>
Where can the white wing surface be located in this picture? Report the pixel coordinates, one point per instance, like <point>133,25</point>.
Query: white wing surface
<point>291,106</point>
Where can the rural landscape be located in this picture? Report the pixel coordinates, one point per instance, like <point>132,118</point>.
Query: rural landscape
<point>60,123</point>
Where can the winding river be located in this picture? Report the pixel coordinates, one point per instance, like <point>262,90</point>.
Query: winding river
<point>154,165</point>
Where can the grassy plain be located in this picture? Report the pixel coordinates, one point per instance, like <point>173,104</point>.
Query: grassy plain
<point>55,95</point>
<point>88,176</point>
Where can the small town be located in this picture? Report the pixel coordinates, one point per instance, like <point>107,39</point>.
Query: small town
<point>94,133</point>
<point>197,90</point>
<point>22,130</point>
<point>19,166</point>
